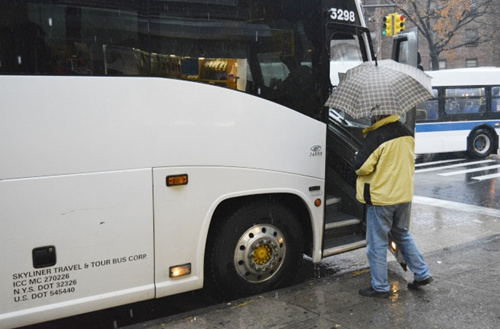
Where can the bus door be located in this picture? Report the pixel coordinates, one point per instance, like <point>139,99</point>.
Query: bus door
<point>345,225</point>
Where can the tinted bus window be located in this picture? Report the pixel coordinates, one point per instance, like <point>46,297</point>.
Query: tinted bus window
<point>70,40</point>
<point>495,99</point>
<point>428,110</point>
<point>465,100</point>
<point>270,54</point>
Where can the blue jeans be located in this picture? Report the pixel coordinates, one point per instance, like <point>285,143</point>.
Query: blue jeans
<point>393,219</point>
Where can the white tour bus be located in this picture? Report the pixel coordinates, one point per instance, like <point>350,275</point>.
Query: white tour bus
<point>155,147</point>
<point>465,114</point>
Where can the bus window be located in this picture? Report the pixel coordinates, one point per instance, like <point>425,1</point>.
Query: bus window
<point>70,40</point>
<point>428,110</point>
<point>495,99</point>
<point>465,100</point>
<point>271,57</point>
<point>23,40</point>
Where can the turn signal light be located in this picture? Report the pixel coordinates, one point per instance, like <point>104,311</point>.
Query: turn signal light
<point>180,270</point>
<point>176,180</point>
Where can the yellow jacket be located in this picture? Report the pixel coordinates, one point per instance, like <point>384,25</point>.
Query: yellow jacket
<point>385,164</point>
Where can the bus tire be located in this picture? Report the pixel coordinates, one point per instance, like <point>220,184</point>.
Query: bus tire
<point>258,248</point>
<point>480,144</point>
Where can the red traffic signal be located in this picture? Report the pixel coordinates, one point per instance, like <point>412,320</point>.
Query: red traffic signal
<point>399,23</point>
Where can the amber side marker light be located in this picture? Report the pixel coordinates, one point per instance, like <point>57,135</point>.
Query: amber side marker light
<point>317,202</point>
<point>176,180</point>
<point>180,270</point>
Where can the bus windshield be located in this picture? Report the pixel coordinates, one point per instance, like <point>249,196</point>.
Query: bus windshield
<point>344,55</point>
<point>348,47</point>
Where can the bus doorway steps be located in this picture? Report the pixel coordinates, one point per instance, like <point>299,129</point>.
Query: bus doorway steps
<point>343,232</point>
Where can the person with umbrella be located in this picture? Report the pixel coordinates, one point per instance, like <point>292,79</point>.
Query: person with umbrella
<point>385,162</point>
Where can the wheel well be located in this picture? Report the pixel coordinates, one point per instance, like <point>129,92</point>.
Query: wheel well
<point>293,202</point>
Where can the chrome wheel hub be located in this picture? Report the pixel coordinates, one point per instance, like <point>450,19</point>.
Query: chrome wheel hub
<point>259,253</point>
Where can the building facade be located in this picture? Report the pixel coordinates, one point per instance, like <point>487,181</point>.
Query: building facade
<point>472,55</point>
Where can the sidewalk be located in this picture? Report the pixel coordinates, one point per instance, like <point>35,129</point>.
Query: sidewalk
<point>465,294</point>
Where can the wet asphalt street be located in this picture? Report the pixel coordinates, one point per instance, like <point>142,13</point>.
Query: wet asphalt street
<point>465,294</point>
<point>461,245</point>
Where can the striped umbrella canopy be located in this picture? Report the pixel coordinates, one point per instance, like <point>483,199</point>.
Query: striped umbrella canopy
<point>380,88</point>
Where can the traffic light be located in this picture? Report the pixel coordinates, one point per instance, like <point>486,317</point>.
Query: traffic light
<point>399,23</point>
<point>388,25</point>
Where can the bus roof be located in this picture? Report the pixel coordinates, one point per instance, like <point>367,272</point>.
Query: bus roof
<point>466,76</point>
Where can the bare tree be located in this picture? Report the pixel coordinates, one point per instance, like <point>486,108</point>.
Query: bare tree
<point>441,21</point>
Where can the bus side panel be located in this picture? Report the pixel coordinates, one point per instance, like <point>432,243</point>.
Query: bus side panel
<point>92,239</point>
<point>444,141</point>
<point>130,123</point>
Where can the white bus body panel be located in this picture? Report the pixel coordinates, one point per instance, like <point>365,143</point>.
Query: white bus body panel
<point>477,76</point>
<point>101,226</point>
<point>84,165</point>
<point>59,125</point>
<point>436,142</point>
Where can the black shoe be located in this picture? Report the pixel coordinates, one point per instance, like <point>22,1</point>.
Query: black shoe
<point>416,284</point>
<point>370,292</point>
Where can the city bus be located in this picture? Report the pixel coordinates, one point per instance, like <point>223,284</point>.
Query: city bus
<point>155,147</point>
<point>464,116</point>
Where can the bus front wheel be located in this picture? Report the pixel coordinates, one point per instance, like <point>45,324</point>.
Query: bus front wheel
<point>480,144</point>
<point>258,248</point>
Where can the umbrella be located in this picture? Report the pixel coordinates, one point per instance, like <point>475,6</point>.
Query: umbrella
<point>378,88</point>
